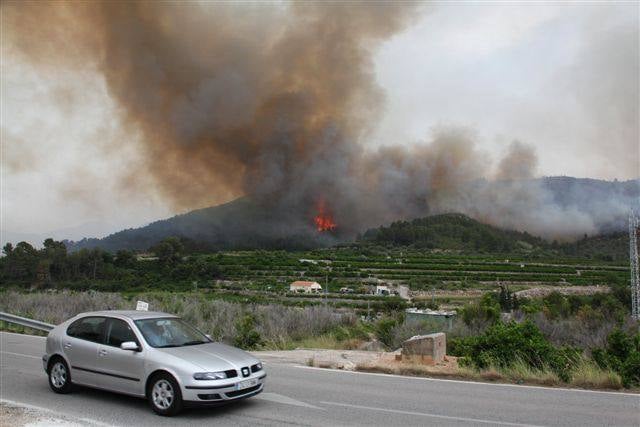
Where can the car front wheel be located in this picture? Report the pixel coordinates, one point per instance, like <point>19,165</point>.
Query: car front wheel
<point>164,395</point>
<point>59,376</point>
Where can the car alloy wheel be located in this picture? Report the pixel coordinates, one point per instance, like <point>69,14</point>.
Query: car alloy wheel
<point>58,375</point>
<point>162,394</point>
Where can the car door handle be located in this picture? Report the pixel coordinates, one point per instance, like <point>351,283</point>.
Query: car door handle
<point>103,352</point>
<point>67,345</point>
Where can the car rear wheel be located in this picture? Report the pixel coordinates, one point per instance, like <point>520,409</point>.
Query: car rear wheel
<point>59,376</point>
<point>164,395</point>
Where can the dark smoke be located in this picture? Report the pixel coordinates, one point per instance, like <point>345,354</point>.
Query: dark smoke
<point>276,103</point>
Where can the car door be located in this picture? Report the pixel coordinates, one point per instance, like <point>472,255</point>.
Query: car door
<point>122,369</point>
<point>80,344</point>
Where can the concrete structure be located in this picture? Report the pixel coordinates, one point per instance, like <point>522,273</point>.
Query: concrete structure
<point>425,348</point>
<point>443,317</point>
<point>382,290</point>
<point>306,287</point>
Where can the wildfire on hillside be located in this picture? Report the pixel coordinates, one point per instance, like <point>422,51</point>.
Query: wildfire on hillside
<point>324,220</point>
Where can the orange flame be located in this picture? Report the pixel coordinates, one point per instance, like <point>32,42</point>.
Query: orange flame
<point>324,219</point>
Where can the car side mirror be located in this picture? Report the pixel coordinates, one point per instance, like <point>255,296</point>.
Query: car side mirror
<point>129,345</point>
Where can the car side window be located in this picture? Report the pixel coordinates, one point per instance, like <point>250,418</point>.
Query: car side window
<point>118,332</point>
<point>88,328</point>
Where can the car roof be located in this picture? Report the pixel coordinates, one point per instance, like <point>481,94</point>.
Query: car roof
<point>131,314</point>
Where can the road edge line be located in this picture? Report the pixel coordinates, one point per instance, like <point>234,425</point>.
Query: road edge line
<point>615,393</point>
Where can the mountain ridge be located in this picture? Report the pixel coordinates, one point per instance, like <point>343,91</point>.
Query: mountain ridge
<point>243,224</point>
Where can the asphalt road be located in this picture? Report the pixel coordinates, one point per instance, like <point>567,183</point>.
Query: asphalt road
<point>308,396</point>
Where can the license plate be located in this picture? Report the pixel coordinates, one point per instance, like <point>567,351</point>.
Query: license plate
<point>247,383</point>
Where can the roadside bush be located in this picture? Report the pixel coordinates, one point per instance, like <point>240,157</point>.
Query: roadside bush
<point>478,315</point>
<point>246,335</point>
<point>505,343</point>
<point>384,330</point>
<point>622,355</point>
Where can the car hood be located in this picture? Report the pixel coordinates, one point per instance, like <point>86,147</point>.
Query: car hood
<point>212,357</point>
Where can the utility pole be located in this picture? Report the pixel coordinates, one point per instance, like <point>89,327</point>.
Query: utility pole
<point>634,224</point>
<point>326,285</point>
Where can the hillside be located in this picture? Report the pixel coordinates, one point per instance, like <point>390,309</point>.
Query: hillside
<point>242,224</point>
<point>239,224</point>
<point>459,232</point>
<point>452,231</point>
<point>606,247</point>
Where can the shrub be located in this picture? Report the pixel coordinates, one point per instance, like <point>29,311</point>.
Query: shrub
<point>246,335</point>
<point>622,355</point>
<point>503,344</point>
<point>481,314</point>
<point>384,330</point>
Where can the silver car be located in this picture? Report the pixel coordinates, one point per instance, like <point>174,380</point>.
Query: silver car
<point>152,355</point>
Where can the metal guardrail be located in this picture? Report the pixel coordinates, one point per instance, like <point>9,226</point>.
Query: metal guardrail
<point>23,321</point>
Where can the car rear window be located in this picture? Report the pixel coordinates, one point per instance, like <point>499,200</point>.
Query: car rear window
<point>88,328</point>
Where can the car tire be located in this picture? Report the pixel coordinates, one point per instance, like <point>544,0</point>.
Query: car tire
<point>59,376</point>
<point>163,394</point>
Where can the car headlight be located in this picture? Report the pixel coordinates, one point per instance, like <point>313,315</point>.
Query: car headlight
<point>209,376</point>
<point>259,366</point>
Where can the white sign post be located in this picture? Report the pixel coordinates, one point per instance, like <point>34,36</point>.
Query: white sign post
<point>142,306</point>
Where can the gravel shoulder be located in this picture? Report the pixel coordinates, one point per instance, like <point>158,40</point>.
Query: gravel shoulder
<point>17,415</point>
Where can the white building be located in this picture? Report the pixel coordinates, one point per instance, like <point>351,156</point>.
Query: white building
<point>303,286</point>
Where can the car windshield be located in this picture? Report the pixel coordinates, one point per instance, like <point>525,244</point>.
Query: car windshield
<point>170,332</point>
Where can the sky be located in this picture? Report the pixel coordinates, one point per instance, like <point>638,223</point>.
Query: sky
<point>562,78</point>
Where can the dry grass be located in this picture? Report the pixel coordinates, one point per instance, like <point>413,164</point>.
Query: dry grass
<point>326,341</point>
<point>420,371</point>
<point>278,325</point>
<point>521,372</point>
<point>589,375</point>
<point>586,375</point>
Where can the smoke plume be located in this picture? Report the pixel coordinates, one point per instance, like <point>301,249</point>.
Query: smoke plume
<point>276,103</point>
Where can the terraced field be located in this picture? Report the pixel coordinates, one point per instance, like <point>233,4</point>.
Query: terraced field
<point>444,275</point>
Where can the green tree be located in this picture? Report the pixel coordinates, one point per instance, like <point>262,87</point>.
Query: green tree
<point>505,299</point>
<point>169,251</point>
<point>125,259</point>
<point>7,249</point>
<point>22,262</point>
<point>55,254</point>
